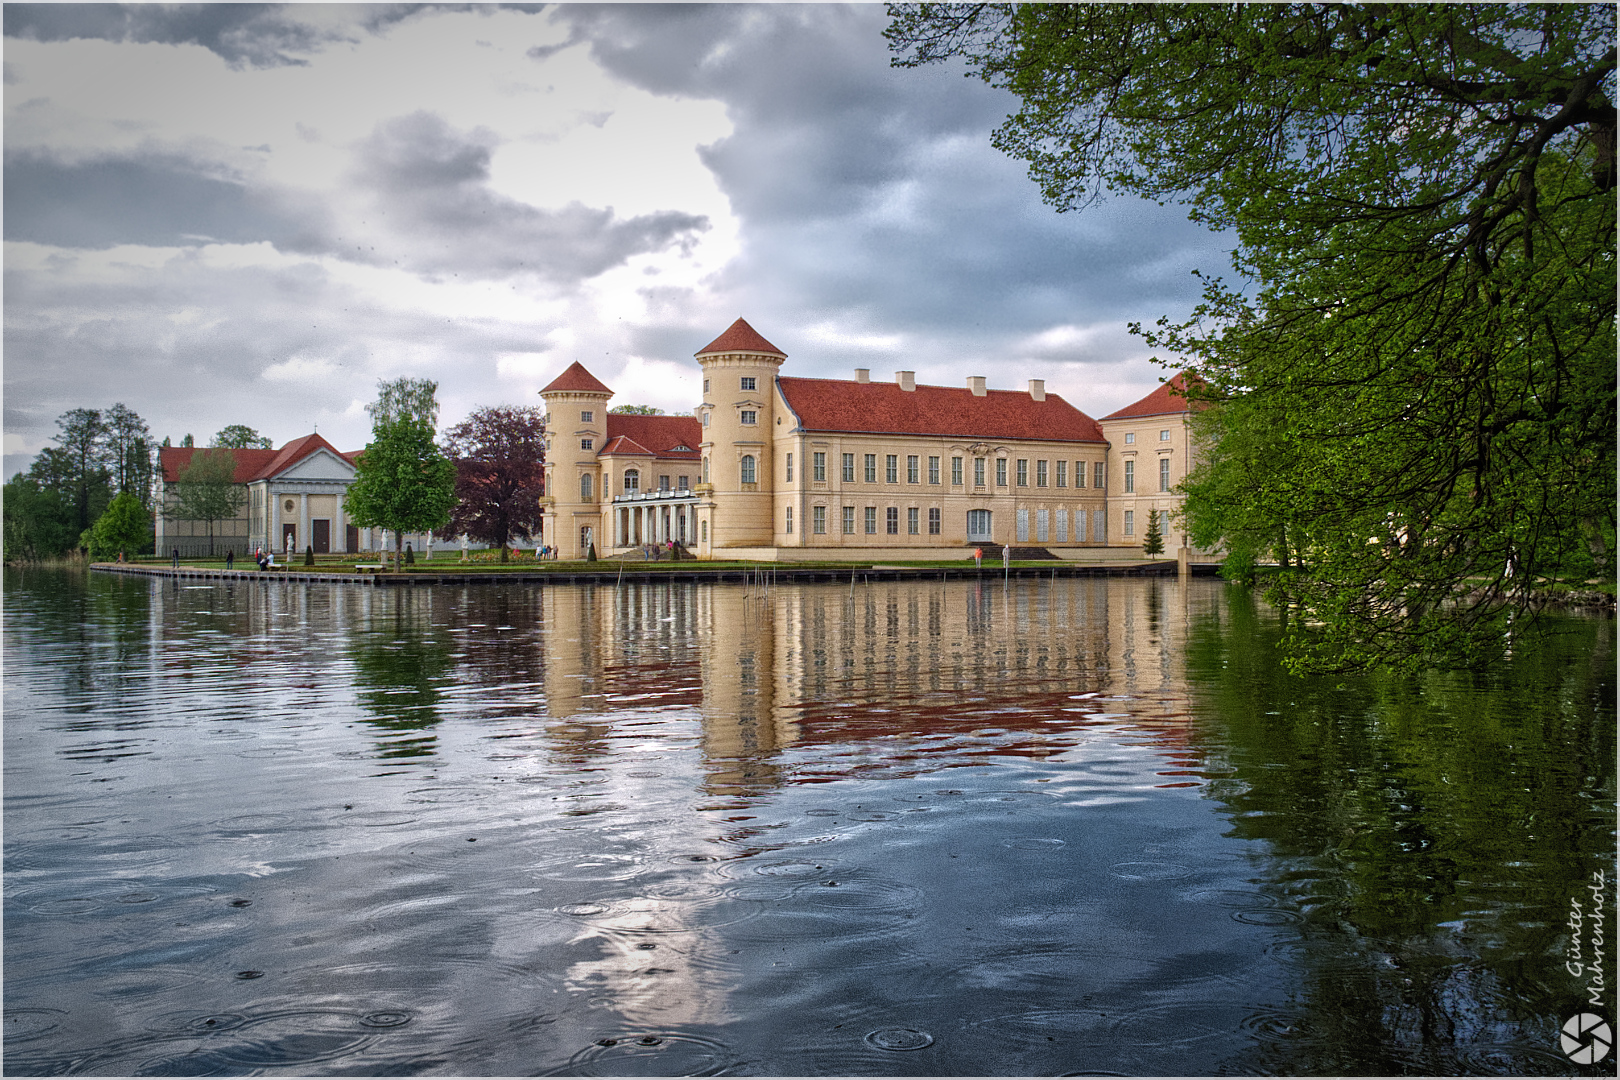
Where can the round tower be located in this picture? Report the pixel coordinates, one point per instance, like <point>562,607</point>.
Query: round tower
<point>738,416</point>
<point>576,429</point>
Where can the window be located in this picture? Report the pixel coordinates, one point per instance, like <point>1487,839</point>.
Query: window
<point>1079,474</point>
<point>749,416</point>
<point>586,444</point>
<point>818,520</point>
<point>849,521</point>
<point>913,473</point>
<point>933,470</point>
<point>818,465</point>
<point>1023,472</point>
<point>1062,478</point>
<point>978,472</point>
<point>956,470</point>
<point>789,523</point>
<point>1097,474</point>
<point>1042,525</point>
<point>585,487</point>
<point>1062,532</point>
<point>1130,523</point>
<point>748,382</point>
<point>789,472</point>
<point>1164,435</point>
<point>663,483</point>
<point>1130,476</point>
<point>705,470</point>
<point>913,521</point>
<point>933,521</point>
<point>1001,472</point>
<point>705,419</point>
<point>891,521</point>
<point>632,480</point>
<point>1164,474</point>
<point>891,468</point>
<point>1099,527</point>
<point>849,468</point>
<point>871,520</point>
<point>871,468</point>
<point>681,483</point>
<point>1022,525</point>
<point>978,524</point>
<point>586,417</point>
<point>705,386</point>
<point>748,469</point>
<point>1130,436</point>
<point>1040,473</point>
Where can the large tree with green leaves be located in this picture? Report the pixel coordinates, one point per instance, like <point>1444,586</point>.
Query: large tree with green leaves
<point>1411,383</point>
<point>403,481</point>
<point>206,490</point>
<point>125,527</point>
<point>240,437</point>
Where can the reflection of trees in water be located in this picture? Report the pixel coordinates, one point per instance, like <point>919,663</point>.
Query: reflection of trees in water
<point>1432,831</point>
<point>402,663</point>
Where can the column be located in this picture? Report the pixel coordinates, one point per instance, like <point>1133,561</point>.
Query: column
<point>340,527</point>
<point>303,520</point>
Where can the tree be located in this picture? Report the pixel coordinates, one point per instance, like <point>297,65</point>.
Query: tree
<point>206,490</point>
<point>187,441</point>
<point>499,456</point>
<point>402,480</point>
<point>1411,385</point>
<point>129,453</point>
<point>82,434</point>
<point>1153,539</point>
<point>636,410</point>
<point>125,527</point>
<point>39,519</point>
<point>240,437</point>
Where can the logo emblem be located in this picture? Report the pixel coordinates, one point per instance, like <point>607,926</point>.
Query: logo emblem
<point>1586,1039</point>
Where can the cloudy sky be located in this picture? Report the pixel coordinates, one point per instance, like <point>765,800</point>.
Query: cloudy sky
<point>245,214</point>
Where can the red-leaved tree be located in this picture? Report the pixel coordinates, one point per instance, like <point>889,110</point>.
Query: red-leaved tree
<point>499,453</point>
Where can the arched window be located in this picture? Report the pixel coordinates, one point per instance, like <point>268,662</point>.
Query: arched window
<point>748,469</point>
<point>585,487</point>
<point>632,480</point>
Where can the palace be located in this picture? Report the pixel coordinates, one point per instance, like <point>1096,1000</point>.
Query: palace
<point>778,467</point>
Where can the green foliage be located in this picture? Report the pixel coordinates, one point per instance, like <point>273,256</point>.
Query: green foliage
<point>39,520</point>
<point>206,490</point>
<point>1153,539</point>
<point>402,481</point>
<point>1411,389</point>
<point>405,399</point>
<point>240,437</point>
<point>126,527</point>
<point>636,410</point>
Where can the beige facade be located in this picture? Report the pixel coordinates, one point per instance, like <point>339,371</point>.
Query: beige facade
<point>803,468</point>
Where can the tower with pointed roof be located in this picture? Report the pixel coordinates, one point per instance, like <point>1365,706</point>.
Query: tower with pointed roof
<point>576,428</point>
<point>739,417</point>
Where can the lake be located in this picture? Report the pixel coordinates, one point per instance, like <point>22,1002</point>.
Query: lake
<point>1082,826</point>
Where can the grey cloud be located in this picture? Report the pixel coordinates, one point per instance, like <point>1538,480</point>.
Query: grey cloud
<point>156,199</point>
<point>430,182</point>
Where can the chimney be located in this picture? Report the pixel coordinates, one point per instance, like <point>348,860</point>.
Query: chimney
<point>906,379</point>
<point>1037,389</point>
<point>976,384</point>
<point>863,375</point>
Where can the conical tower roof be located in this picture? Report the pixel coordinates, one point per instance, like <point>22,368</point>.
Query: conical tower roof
<point>577,380</point>
<point>740,337</point>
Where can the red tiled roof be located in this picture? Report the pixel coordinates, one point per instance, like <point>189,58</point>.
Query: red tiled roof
<point>632,433</point>
<point>884,408</point>
<point>251,465</point>
<point>1170,397</point>
<point>740,337</point>
<point>576,378</point>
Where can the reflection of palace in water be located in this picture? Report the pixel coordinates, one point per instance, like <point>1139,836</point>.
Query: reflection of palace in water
<point>903,669</point>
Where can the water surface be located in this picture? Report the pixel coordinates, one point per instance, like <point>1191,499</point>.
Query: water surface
<point>906,829</point>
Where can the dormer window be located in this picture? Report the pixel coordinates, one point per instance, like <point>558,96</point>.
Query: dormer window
<point>749,416</point>
<point>748,382</point>
<point>587,417</point>
<point>680,449</point>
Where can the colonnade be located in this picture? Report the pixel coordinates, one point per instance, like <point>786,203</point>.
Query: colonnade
<point>652,523</point>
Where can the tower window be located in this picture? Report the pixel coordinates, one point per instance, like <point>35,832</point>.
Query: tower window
<point>748,382</point>
<point>748,469</point>
<point>749,416</point>
<point>586,444</point>
<point>586,417</point>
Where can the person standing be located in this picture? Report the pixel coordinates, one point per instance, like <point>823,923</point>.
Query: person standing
<point>230,559</point>
<point>978,558</point>
<point>176,562</point>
